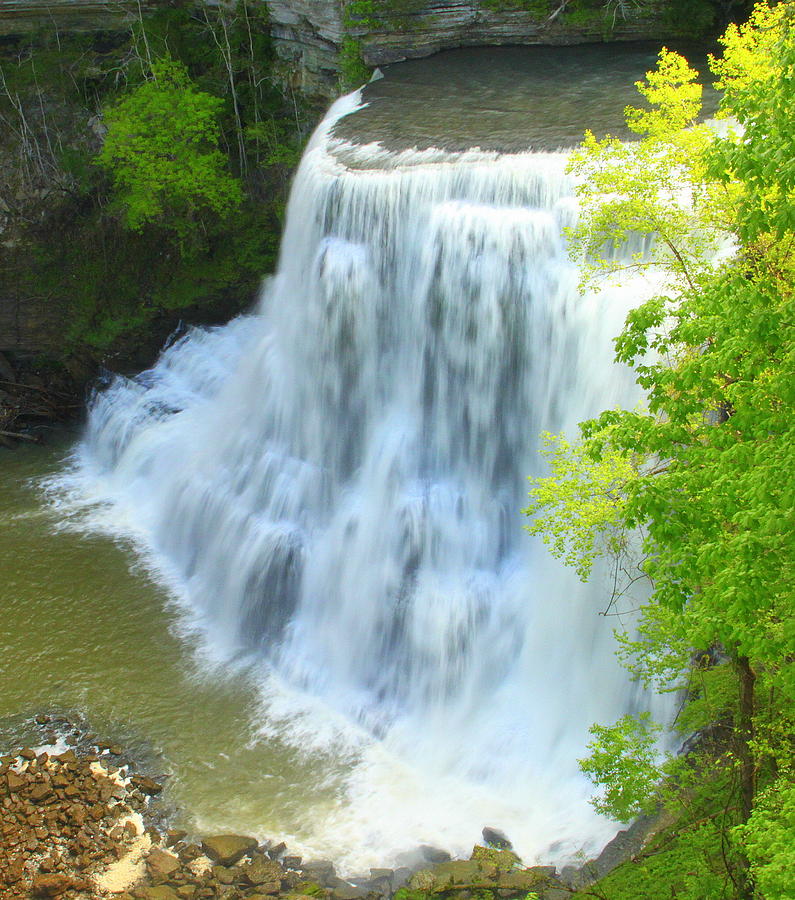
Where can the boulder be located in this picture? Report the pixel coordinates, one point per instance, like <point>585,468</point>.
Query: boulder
<point>227,849</point>
<point>345,891</point>
<point>434,854</point>
<point>174,836</point>
<point>146,785</point>
<point>262,871</point>
<point>53,885</point>
<point>320,870</point>
<point>159,892</point>
<point>161,865</point>
<point>15,782</point>
<point>502,860</point>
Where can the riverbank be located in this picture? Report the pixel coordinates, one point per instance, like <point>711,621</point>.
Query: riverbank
<point>79,819</point>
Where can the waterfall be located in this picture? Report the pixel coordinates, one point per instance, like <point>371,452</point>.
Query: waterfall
<point>334,484</point>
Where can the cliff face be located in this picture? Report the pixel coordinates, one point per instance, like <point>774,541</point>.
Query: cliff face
<point>21,16</point>
<point>309,34</point>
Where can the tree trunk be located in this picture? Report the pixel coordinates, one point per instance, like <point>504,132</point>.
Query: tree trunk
<point>744,735</point>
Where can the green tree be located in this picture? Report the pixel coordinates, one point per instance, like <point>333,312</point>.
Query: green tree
<point>161,151</point>
<point>705,471</point>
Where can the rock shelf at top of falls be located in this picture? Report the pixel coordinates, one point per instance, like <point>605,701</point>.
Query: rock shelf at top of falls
<point>506,99</point>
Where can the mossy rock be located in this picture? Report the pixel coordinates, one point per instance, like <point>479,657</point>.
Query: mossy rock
<point>308,889</point>
<point>448,875</point>
<point>502,860</point>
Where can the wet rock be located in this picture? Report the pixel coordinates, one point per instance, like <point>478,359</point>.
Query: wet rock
<point>174,836</point>
<point>159,892</point>
<point>146,785</point>
<point>15,782</point>
<point>277,850</point>
<point>227,849</point>
<point>496,838</point>
<point>347,891</point>
<point>525,880</point>
<point>503,860</point>
<point>434,854</point>
<point>51,885</point>
<point>400,877</point>
<point>422,881</point>
<point>320,870</point>
<point>262,871</point>
<point>190,852</point>
<point>161,865</point>
<point>291,862</point>
<point>223,875</point>
<point>40,792</point>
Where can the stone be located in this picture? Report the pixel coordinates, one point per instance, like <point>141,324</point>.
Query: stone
<point>291,862</point>
<point>227,849</point>
<point>308,34</point>
<point>503,860</point>
<point>161,865</point>
<point>146,785</point>
<point>27,753</point>
<point>521,880</point>
<point>347,891</point>
<point>434,854</point>
<point>46,885</point>
<point>278,850</point>
<point>496,838</point>
<point>159,892</point>
<point>15,782</point>
<point>174,836</point>
<point>262,871</point>
<point>190,852</point>
<point>223,875</point>
<point>40,792</point>
<point>320,870</point>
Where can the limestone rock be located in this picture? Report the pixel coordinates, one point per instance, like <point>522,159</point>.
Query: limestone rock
<point>227,849</point>
<point>161,864</point>
<point>51,885</point>
<point>262,871</point>
<point>159,892</point>
<point>308,34</point>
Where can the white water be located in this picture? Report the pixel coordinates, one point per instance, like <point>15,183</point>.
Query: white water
<point>334,486</point>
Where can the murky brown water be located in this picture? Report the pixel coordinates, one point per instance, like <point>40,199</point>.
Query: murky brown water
<point>508,99</point>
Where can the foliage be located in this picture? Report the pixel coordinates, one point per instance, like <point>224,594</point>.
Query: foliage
<point>623,762</point>
<point>118,289</point>
<point>584,497</point>
<point>711,456</point>
<point>767,838</point>
<point>161,150</point>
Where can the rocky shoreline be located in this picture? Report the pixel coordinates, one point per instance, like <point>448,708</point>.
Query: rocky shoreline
<point>79,821</point>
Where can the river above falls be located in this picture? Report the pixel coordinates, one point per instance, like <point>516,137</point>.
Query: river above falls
<point>509,99</point>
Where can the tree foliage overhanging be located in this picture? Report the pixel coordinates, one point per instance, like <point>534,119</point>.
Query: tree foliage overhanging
<point>704,473</point>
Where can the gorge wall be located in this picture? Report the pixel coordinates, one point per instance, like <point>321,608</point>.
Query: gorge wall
<point>311,35</point>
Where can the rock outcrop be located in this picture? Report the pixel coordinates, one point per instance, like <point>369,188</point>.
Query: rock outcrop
<point>310,33</point>
<point>21,16</point>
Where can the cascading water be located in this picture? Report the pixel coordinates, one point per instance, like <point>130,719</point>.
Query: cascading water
<point>334,485</point>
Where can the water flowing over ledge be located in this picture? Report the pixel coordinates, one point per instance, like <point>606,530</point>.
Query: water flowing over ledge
<point>333,486</point>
